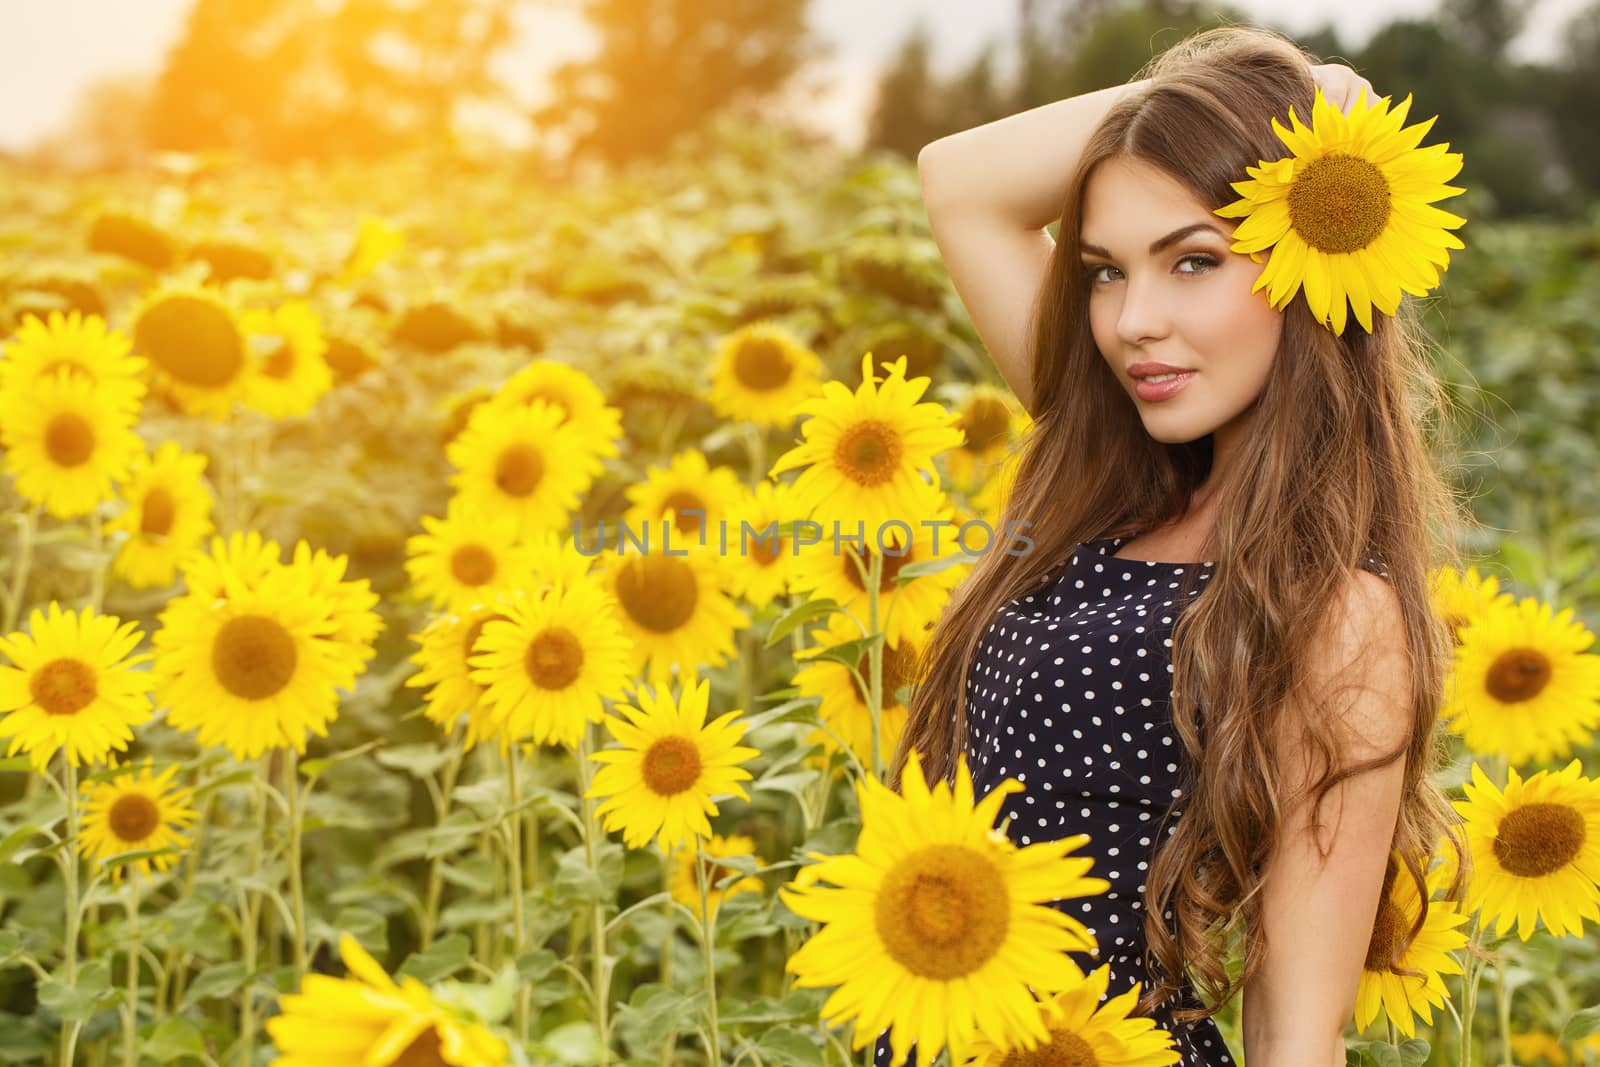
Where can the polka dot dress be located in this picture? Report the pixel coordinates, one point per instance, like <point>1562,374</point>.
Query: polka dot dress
<point>1070,694</point>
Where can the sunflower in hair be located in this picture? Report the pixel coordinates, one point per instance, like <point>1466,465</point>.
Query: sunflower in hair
<point>1347,214</point>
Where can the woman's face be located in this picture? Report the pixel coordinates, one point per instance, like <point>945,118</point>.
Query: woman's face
<point>1186,303</point>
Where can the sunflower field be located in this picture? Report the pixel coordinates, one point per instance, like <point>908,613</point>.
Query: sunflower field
<point>423,641</point>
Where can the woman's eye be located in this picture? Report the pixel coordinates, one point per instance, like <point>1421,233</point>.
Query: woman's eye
<point>1206,263</point>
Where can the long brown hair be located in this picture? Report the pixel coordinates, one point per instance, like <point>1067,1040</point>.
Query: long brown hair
<point>1338,467</point>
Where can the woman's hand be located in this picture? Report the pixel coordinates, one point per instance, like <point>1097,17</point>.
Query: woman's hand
<point>1340,85</point>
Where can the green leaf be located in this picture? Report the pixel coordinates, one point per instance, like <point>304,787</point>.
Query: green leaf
<point>655,1013</point>
<point>217,980</point>
<point>174,1038</point>
<point>798,616</point>
<point>576,1043</point>
<point>790,1048</point>
<point>19,764</point>
<point>799,1006</point>
<point>574,880</point>
<point>793,783</point>
<point>90,992</point>
<point>851,653</point>
<point>912,571</point>
<point>419,760</point>
<point>15,839</point>
<point>1581,1025</point>
<point>441,960</point>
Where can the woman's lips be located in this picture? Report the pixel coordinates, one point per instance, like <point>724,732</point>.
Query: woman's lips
<point>1148,390</point>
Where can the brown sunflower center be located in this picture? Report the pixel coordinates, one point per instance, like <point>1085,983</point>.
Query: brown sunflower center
<point>63,686</point>
<point>519,470</point>
<point>423,1051</point>
<point>985,422</point>
<point>554,658</point>
<point>671,765</point>
<point>68,439</point>
<point>253,656</point>
<point>1339,203</point>
<point>277,359</point>
<point>158,512</point>
<point>133,817</point>
<point>1388,942</point>
<point>891,566</point>
<point>897,666</point>
<point>681,500</point>
<point>472,565</point>
<point>1538,839</point>
<point>659,593</point>
<point>1064,1049</point>
<point>869,452</point>
<point>191,339</point>
<point>761,365</point>
<point>1517,674</point>
<point>942,911</point>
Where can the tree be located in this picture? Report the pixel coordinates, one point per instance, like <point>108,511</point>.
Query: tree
<point>281,79</point>
<point>665,67</point>
<point>908,110</point>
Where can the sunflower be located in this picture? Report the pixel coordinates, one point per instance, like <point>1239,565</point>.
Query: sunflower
<point>834,569</point>
<point>194,342</point>
<point>1347,215</point>
<point>456,410</point>
<point>988,504</point>
<point>844,705</point>
<point>447,642</point>
<point>83,346</point>
<point>686,891</point>
<point>136,812</point>
<point>356,625</point>
<point>519,464</point>
<point>1460,598</point>
<point>1538,1045</point>
<point>1082,1030</point>
<point>554,559</point>
<point>253,670</point>
<point>593,427</point>
<point>73,686</point>
<point>1522,683</point>
<point>550,664</point>
<point>288,372</point>
<point>702,498</point>
<point>66,441</point>
<point>675,611</point>
<point>167,517</point>
<point>367,1019</point>
<point>762,371</point>
<point>939,925</point>
<point>246,557</point>
<point>761,536</point>
<point>864,452</point>
<point>1402,974</point>
<point>1535,850</point>
<point>663,781</point>
<point>468,556</point>
<point>990,421</point>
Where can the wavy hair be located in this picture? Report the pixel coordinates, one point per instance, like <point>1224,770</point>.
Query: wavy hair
<point>1338,466</point>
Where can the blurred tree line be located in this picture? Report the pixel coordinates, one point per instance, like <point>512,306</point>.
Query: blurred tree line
<point>1525,129</point>
<point>279,80</point>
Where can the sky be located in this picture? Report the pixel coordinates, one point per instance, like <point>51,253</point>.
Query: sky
<point>50,50</point>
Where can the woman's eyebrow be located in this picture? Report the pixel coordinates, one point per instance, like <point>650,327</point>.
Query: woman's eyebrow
<point>1157,245</point>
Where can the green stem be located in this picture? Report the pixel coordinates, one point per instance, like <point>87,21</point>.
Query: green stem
<point>27,524</point>
<point>707,942</point>
<point>452,770</point>
<point>249,918</point>
<point>875,666</point>
<point>130,1022</point>
<point>669,916</point>
<point>599,981</point>
<point>1502,997</point>
<point>69,963</point>
<point>513,828</point>
<point>1469,993</point>
<point>297,889</point>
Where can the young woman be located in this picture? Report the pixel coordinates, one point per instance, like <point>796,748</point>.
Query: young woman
<point>1226,613</point>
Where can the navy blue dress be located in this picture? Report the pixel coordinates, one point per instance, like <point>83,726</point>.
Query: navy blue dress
<point>1070,694</point>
